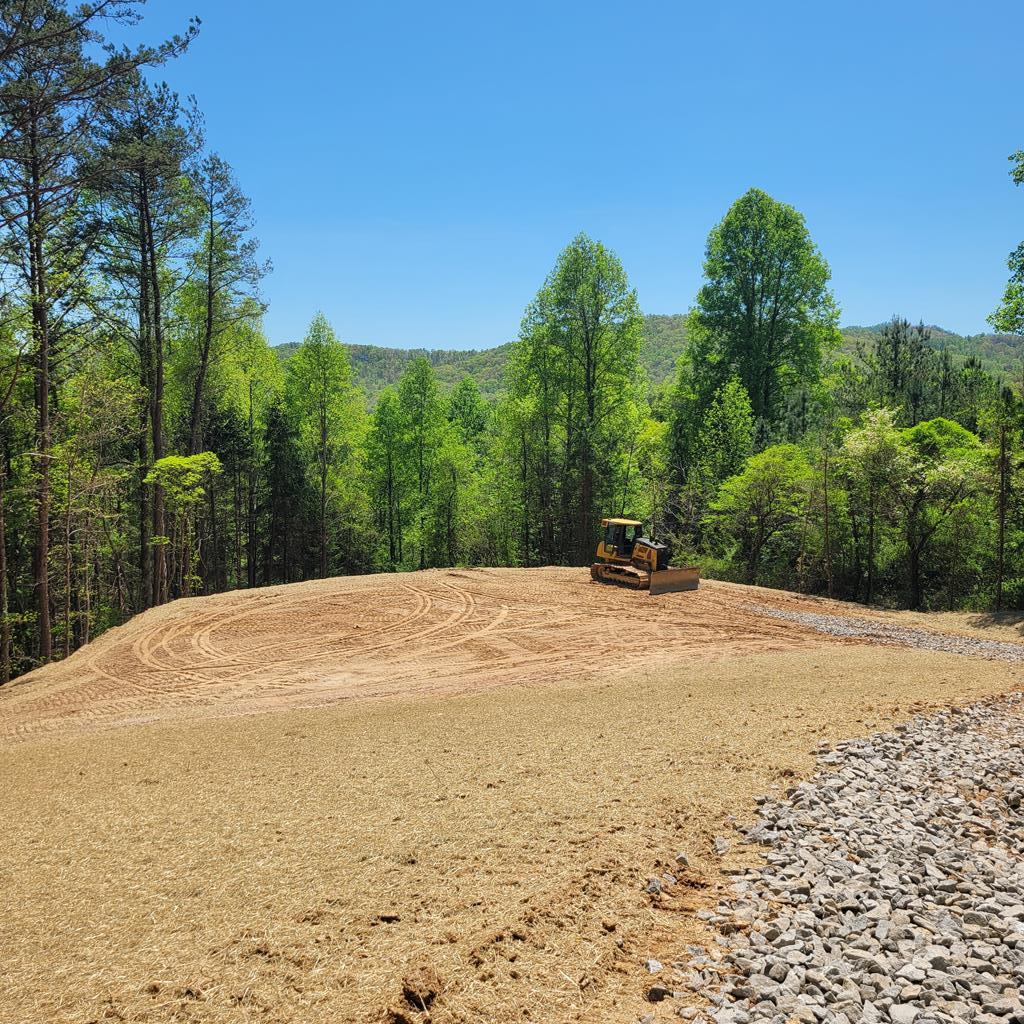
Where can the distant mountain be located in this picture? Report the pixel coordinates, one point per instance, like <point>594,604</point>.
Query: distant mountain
<point>375,368</point>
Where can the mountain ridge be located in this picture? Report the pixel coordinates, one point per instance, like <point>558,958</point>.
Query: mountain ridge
<point>376,367</point>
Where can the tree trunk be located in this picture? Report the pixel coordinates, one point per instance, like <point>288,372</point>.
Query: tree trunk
<point>1001,545</point>
<point>145,597</point>
<point>5,624</point>
<point>41,337</point>
<point>250,499</point>
<point>67,565</point>
<point>207,342</point>
<point>827,531</point>
<point>916,588</point>
<point>871,549</point>
<point>158,584</point>
<point>390,487</point>
<point>323,523</point>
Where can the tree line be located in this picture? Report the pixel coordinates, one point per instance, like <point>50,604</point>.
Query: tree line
<point>154,446</point>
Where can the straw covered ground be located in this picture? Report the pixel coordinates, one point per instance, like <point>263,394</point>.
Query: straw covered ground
<point>414,828</point>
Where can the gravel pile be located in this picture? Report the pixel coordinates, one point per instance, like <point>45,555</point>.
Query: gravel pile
<point>903,636</point>
<point>893,888</point>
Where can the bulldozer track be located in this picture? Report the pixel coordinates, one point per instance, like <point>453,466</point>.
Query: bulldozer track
<point>375,637</point>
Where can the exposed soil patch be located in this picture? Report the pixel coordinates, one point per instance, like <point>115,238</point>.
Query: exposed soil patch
<point>412,634</point>
<point>489,855</point>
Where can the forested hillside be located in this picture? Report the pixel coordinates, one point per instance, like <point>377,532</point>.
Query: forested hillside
<point>154,446</point>
<point>664,340</point>
<point>375,368</point>
<point>999,353</point>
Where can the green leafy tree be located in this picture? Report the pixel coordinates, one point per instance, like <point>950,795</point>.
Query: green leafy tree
<point>327,408</point>
<point>423,428</point>
<point>577,362</point>
<point>768,497</point>
<point>900,366</point>
<point>726,438</point>
<point>467,409</point>
<point>289,503</point>
<point>388,471</point>
<point>876,463</point>
<point>1009,317</point>
<point>453,500</point>
<point>943,477</point>
<point>723,442</point>
<point>184,479</point>
<point>766,312</point>
<point>256,386</point>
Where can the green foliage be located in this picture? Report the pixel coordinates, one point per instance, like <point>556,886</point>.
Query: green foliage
<point>183,478</point>
<point>1009,317</point>
<point>765,313</point>
<point>726,438</point>
<point>759,508</point>
<point>328,412</point>
<point>575,378</point>
<point>467,409</point>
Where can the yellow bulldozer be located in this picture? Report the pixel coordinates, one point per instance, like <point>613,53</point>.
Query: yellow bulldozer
<point>627,558</point>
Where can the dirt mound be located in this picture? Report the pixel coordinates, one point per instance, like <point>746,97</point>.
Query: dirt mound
<point>429,633</point>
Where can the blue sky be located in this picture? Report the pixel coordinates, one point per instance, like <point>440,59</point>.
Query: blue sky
<point>415,168</point>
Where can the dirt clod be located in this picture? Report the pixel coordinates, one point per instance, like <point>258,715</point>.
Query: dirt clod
<point>421,986</point>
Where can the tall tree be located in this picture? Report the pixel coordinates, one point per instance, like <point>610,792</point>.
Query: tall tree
<point>726,438</point>
<point>1009,317</point>
<point>900,368</point>
<point>146,138</point>
<point>258,385</point>
<point>578,363</point>
<point>944,472</point>
<point>51,87</point>
<point>384,456</point>
<point>228,273</point>
<point>423,428</point>
<point>765,312</point>
<point>324,399</point>
<point>876,463</point>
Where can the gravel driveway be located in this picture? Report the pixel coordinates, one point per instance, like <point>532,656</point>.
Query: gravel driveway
<point>902,636</point>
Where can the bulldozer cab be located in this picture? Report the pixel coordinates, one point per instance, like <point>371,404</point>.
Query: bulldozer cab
<point>620,537</point>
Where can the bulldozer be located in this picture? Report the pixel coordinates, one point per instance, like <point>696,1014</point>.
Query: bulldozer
<point>627,558</point>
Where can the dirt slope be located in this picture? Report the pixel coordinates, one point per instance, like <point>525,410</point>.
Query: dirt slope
<point>415,634</point>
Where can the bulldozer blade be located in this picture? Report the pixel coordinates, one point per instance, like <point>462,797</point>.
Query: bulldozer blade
<point>668,581</point>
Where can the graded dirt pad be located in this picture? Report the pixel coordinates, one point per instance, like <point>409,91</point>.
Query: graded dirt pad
<point>398,635</point>
<point>482,857</point>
